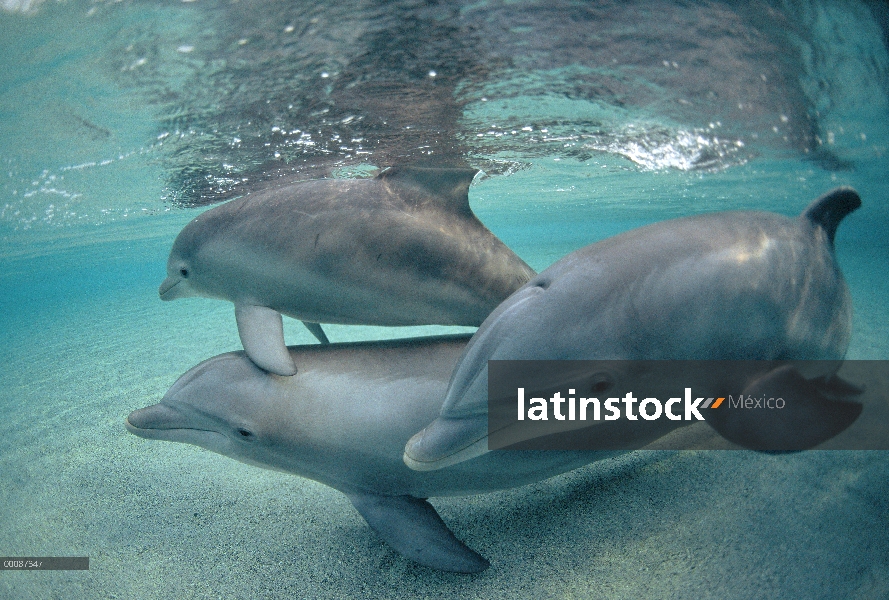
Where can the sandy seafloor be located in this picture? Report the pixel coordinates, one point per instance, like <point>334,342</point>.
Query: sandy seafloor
<point>84,340</point>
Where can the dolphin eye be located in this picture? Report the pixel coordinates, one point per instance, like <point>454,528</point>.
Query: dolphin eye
<point>244,433</point>
<point>184,272</point>
<point>600,382</point>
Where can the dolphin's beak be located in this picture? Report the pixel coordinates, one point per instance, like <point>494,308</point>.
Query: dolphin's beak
<point>166,289</point>
<point>165,422</point>
<point>146,422</point>
<point>446,442</point>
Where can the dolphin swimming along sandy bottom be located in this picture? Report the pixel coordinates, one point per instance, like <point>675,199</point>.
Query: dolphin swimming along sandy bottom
<point>343,420</point>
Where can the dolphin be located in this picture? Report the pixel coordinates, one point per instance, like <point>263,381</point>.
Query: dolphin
<point>748,285</point>
<point>343,420</point>
<point>403,248</point>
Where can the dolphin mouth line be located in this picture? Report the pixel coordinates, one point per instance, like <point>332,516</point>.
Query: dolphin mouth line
<point>469,450</point>
<point>165,288</point>
<point>135,429</point>
<point>131,426</point>
<point>477,445</point>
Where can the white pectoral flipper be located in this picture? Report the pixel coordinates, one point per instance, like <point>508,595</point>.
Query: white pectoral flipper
<point>261,330</point>
<point>412,527</point>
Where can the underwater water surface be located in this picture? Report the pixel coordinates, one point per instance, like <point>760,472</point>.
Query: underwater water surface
<point>121,121</point>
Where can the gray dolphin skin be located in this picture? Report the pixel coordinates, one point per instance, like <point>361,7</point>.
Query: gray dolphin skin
<point>721,286</point>
<point>403,248</point>
<point>343,420</point>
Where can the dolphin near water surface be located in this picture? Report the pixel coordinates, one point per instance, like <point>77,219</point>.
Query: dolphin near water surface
<point>403,248</point>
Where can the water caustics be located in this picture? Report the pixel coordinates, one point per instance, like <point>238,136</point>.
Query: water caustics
<point>222,98</point>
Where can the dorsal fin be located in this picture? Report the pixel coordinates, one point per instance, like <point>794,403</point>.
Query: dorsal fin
<point>828,210</point>
<point>449,184</point>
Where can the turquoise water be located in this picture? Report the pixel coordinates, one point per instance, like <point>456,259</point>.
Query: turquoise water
<point>119,121</point>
